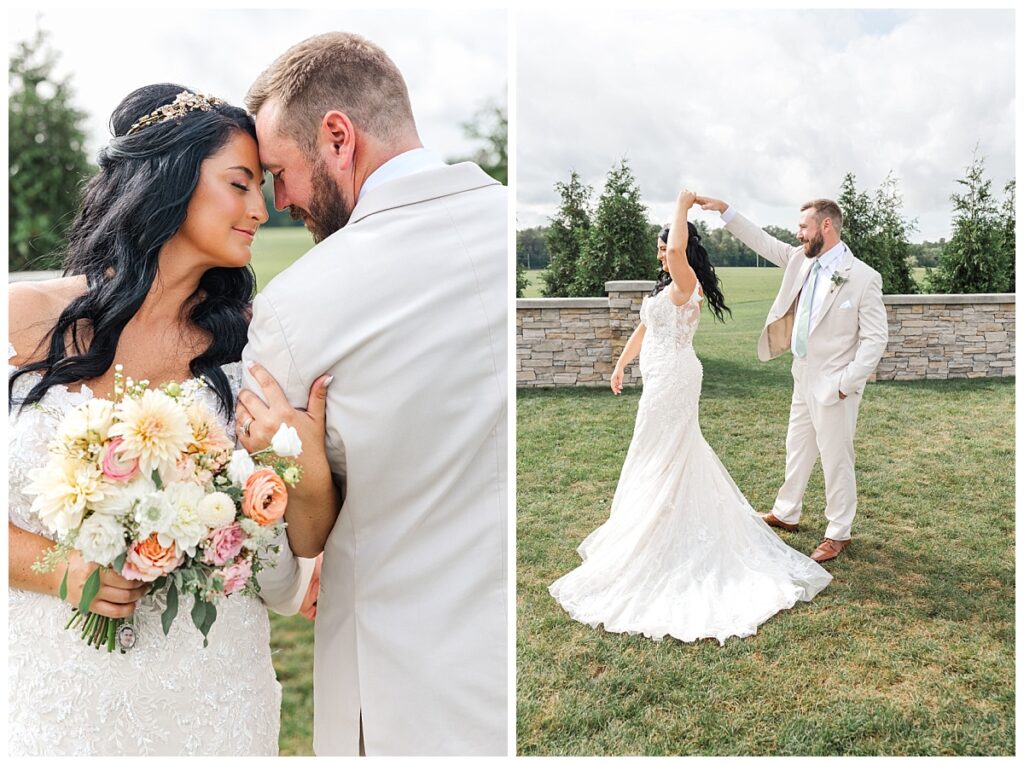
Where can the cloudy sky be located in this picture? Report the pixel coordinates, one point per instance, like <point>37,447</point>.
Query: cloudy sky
<point>453,62</point>
<point>765,109</point>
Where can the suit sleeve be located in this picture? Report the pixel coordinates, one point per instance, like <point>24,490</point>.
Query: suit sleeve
<point>765,245</point>
<point>874,336</point>
<point>283,585</point>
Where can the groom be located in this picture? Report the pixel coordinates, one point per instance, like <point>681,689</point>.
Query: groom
<point>829,312</point>
<point>403,300</point>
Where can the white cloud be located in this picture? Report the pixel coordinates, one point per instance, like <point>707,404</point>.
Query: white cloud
<point>765,109</point>
<point>453,62</point>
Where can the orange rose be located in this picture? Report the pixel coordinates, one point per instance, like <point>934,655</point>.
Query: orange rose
<point>264,497</point>
<point>148,560</point>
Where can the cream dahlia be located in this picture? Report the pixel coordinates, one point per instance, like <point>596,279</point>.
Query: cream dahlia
<point>155,431</point>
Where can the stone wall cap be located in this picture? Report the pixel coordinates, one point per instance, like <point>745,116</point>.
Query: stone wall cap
<point>979,298</point>
<point>562,302</point>
<point>643,285</point>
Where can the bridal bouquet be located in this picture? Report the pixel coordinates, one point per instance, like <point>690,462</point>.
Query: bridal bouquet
<point>148,485</point>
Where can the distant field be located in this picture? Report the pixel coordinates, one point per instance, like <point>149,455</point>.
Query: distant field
<point>274,249</point>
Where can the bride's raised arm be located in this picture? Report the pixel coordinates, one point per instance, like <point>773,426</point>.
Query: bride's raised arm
<point>684,279</point>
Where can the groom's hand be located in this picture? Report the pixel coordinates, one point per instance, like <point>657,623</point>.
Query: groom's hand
<point>710,203</point>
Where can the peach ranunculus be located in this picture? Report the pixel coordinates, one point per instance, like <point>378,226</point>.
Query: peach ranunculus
<point>264,497</point>
<point>148,560</point>
<point>115,467</point>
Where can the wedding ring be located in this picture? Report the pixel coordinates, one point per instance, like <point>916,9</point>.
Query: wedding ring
<point>246,426</point>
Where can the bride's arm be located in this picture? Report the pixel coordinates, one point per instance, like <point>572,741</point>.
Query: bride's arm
<point>684,280</point>
<point>116,597</point>
<point>626,357</point>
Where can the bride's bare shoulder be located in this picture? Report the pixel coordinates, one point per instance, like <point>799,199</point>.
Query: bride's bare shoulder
<point>33,308</point>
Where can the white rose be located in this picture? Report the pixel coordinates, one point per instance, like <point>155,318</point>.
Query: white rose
<point>101,539</point>
<point>240,467</point>
<point>286,442</point>
<point>216,510</point>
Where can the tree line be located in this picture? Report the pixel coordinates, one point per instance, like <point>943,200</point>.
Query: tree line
<point>584,245</point>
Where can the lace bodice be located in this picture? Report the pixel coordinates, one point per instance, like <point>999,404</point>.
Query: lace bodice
<point>168,695</point>
<point>670,326</point>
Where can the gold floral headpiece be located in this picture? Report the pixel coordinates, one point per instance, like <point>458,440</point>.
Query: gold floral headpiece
<point>184,103</point>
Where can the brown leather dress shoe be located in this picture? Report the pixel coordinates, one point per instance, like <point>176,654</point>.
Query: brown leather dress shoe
<point>771,520</point>
<point>829,549</point>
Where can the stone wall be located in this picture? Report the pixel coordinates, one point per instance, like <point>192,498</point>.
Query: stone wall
<point>575,341</point>
<point>935,337</point>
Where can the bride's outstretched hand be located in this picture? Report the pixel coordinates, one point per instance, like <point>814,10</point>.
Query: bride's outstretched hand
<point>257,421</point>
<point>687,198</point>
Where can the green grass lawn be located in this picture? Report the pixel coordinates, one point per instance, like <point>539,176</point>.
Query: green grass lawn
<point>909,651</point>
<point>274,249</point>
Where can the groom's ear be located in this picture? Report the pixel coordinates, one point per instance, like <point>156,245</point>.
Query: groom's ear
<point>338,133</point>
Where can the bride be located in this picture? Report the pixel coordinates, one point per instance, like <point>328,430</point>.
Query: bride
<point>159,282</point>
<point>682,553</point>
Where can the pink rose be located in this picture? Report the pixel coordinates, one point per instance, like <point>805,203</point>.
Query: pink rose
<point>236,576</point>
<point>148,560</point>
<point>115,467</point>
<point>223,544</point>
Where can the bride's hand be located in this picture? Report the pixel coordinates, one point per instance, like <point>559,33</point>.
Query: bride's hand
<point>687,198</point>
<point>617,375</point>
<point>256,422</point>
<point>117,596</point>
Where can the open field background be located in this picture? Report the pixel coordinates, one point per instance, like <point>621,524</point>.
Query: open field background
<point>910,650</point>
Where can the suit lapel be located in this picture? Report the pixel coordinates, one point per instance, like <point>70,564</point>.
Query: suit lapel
<point>798,284</point>
<point>833,290</point>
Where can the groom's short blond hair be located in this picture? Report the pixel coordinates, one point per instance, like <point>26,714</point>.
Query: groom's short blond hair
<point>335,71</point>
<point>825,208</point>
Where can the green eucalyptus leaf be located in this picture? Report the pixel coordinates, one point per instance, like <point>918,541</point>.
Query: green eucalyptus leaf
<point>92,586</point>
<point>171,611</point>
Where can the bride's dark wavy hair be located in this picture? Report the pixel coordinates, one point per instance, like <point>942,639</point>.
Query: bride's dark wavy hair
<point>699,261</point>
<point>130,209</point>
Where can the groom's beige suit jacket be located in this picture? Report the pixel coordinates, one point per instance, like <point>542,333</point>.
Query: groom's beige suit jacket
<point>851,331</point>
<point>407,307</point>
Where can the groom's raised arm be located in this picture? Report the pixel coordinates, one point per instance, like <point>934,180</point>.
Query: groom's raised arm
<point>752,235</point>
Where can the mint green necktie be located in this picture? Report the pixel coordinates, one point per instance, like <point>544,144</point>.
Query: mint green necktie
<point>803,321</point>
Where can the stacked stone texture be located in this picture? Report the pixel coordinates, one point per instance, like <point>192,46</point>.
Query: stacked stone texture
<point>575,341</point>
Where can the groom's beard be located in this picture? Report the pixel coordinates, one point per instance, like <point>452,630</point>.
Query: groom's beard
<point>329,210</point>
<point>813,248</point>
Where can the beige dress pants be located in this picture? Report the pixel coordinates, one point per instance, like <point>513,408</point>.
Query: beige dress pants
<point>826,431</point>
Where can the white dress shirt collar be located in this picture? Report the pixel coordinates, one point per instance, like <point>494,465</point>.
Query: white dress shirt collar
<point>830,260</point>
<point>401,165</point>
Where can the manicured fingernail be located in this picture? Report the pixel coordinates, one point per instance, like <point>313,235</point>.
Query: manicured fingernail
<point>250,364</point>
<point>329,380</point>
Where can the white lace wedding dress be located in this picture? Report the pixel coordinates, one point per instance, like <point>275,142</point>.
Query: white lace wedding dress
<point>682,553</point>
<point>167,695</point>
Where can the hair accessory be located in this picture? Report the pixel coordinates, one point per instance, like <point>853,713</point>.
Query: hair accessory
<point>183,103</point>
